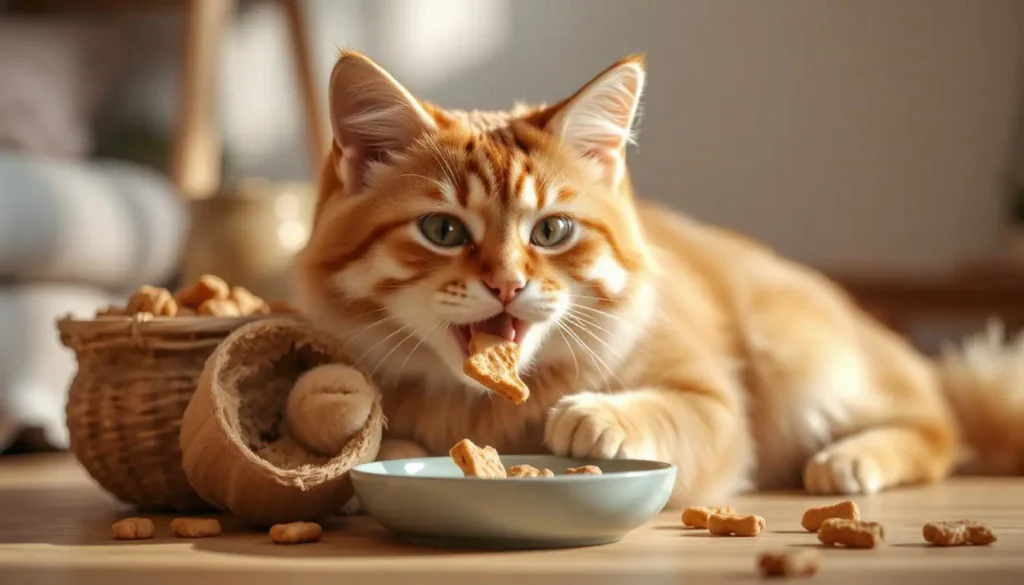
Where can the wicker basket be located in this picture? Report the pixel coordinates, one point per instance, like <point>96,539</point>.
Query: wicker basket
<point>135,377</point>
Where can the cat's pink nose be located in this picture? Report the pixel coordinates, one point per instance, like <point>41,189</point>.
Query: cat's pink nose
<point>505,288</point>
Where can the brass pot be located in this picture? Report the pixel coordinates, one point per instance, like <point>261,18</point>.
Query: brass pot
<point>250,236</point>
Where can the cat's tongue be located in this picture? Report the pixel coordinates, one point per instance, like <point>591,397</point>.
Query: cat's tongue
<point>499,325</point>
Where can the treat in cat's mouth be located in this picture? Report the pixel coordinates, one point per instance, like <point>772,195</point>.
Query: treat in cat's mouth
<point>494,363</point>
<point>501,325</point>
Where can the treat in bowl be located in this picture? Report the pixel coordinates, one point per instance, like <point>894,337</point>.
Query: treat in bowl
<point>477,498</point>
<point>476,461</point>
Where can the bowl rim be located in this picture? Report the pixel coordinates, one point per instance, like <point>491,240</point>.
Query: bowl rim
<point>655,468</point>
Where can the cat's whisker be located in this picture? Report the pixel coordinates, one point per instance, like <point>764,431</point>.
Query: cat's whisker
<point>589,353</point>
<point>585,329</point>
<point>591,321</point>
<point>589,308</point>
<point>593,298</point>
<point>588,320</point>
<point>600,312</point>
<point>572,352</point>
<point>397,345</point>
<point>368,313</point>
<point>375,345</point>
<point>593,355</point>
<point>363,330</point>
<point>398,373</point>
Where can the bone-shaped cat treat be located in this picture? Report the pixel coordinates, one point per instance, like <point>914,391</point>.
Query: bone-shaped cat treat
<point>493,361</point>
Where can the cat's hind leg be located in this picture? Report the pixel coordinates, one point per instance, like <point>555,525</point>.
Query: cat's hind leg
<point>903,432</point>
<point>875,459</point>
<point>838,401</point>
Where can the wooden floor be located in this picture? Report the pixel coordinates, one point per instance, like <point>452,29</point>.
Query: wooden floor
<point>54,529</point>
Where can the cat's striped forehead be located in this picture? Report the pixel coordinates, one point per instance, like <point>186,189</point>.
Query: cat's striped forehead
<point>504,167</point>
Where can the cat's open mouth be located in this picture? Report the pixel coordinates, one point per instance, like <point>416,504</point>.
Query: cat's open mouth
<point>501,325</point>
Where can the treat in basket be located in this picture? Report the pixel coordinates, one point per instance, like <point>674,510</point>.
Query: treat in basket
<point>208,296</point>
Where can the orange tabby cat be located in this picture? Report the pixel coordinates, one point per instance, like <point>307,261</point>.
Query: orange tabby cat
<point>644,334</point>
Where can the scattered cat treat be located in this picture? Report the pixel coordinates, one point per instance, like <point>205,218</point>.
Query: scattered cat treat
<point>793,564</point>
<point>493,361</point>
<point>697,516</point>
<point>528,471</point>
<point>959,533</point>
<point>156,301</point>
<point>851,533</point>
<point>296,533</point>
<point>735,524</point>
<point>477,462</point>
<point>585,470</point>
<point>813,517</point>
<point>195,527</point>
<point>133,529</point>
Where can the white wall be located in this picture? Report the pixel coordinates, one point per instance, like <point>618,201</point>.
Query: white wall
<point>843,131</point>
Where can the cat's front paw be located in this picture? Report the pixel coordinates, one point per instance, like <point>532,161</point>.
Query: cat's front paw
<point>589,426</point>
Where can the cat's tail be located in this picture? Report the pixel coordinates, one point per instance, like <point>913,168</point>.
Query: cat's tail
<point>983,380</point>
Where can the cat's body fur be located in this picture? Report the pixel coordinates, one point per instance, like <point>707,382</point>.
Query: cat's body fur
<point>702,348</point>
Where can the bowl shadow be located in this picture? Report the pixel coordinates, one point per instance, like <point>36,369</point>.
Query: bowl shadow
<point>334,545</point>
<point>351,537</point>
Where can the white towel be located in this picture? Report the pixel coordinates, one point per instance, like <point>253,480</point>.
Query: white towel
<point>35,368</point>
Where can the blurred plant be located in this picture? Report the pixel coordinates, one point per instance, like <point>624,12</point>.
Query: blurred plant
<point>1017,207</point>
<point>144,144</point>
<point>137,142</point>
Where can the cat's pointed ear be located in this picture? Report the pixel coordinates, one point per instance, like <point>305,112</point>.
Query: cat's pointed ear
<point>372,116</point>
<point>598,120</point>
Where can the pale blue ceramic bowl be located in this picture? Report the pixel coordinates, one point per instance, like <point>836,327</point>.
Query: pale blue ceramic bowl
<point>428,501</point>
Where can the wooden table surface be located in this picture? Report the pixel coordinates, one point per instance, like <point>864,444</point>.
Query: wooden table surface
<point>55,529</point>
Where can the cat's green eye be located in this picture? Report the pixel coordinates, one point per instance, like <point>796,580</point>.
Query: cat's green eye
<point>444,230</point>
<point>551,231</point>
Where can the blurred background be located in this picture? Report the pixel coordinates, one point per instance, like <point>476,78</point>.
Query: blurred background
<point>150,141</point>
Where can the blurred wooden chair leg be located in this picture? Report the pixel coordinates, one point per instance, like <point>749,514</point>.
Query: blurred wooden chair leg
<point>197,151</point>
<point>302,54</point>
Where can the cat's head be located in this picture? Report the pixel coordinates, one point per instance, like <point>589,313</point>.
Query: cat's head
<point>432,224</point>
